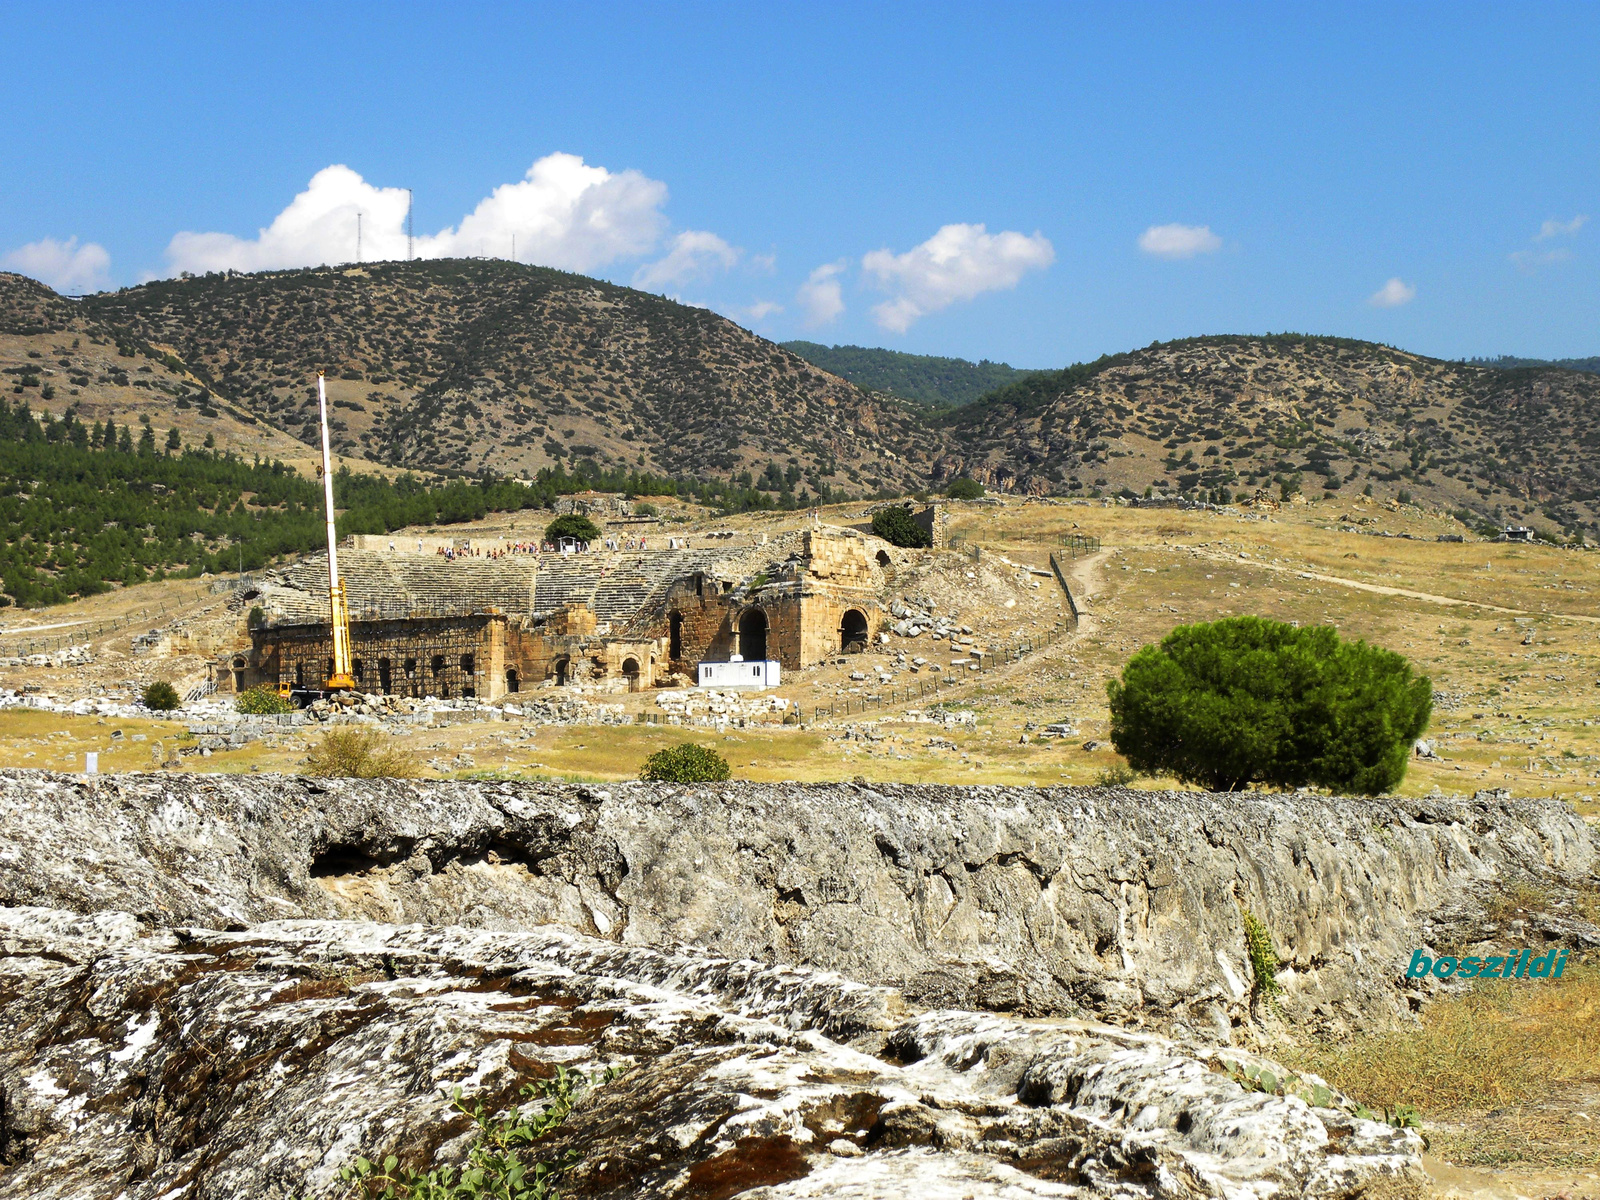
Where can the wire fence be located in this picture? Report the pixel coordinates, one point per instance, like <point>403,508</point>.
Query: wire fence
<point>25,644</point>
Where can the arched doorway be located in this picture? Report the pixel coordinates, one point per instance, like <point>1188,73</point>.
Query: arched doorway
<point>562,666</point>
<point>239,667</point>
<point>753,635</point>
<point>385,676</point>
<point>853,633</point>
<point>630,672</point>
<point>512,681</point>
<point>675,637</point>
<point>883,558</point>
<point>468,668</point>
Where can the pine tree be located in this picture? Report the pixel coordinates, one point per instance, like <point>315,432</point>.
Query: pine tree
<point>125,440</point>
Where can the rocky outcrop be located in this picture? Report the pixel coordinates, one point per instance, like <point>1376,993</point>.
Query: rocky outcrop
<point>1125,906</point>
<point>196,1063</point>
<point>232,986</point>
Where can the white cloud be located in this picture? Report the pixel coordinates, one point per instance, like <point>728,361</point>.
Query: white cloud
<point>65,266</point>
<point>1393,294</point>
<point>821,295</point>
<point>1550,229</point>
<point>1529,261</point>
<point>563,213</point>
<point>761,310</point>
<point>695,255</point>
<point>1179,241</point>
<point>957,263</point>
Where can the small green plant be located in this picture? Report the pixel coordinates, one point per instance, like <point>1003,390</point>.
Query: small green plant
<point>161,696</point>
<point>685,763</point>
<point>1119,776</point>
<point>355,754</point>
<point>1263,1079</point>
<point>496,1168</point>
<point>262,701</point>
<point>1263,958</point>
<point>896,526</point>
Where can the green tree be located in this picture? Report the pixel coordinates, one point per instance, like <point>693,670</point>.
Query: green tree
<point>161,696</point>
<point>147,442</point>
<point>896,526</point>
<point>685,763</point>
<point>125,440</point>
<point>172,440</point>
<point>574,526</point>
<point>262,700</point>
<point>1246,700</point>
<point>964,489</point>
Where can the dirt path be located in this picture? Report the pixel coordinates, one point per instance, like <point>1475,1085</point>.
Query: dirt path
<point>1384,590</point>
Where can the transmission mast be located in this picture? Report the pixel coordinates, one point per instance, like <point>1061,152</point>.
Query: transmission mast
<point>339,612</point>
<point>358,239</point>
<point>409,229</point>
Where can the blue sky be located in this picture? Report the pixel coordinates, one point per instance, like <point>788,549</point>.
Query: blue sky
<point>1416,175</point>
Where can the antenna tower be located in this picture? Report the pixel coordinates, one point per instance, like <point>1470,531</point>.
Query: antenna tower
<point>358,238</point>
<point>408,225</point>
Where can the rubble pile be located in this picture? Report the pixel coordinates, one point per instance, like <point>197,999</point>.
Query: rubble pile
<point>707,706</point>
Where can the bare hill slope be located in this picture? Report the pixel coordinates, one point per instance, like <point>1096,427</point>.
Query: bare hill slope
<point>466,364</point>
<point>1244,412</point>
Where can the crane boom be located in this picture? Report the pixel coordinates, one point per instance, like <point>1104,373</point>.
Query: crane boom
<point>339,678</point>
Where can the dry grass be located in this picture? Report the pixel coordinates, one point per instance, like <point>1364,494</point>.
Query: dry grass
<point>1504,1043</point>
<point>357,754</point>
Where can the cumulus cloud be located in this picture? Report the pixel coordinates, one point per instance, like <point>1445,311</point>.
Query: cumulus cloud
<point>694,255</point>
<point>759,311</point>
<point>1179,241</point>
<point>65,266</point>
<point>1550,229</point>
<point>563,213</point>
<point>959,262</point>
<point>821,296</point>
<point>1393,294</point>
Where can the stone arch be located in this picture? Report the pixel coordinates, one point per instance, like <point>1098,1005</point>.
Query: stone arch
<point>239,667</point>
<point>630,672</point>
<point>385,676</point>
<point>513,681</point>
<point>854,631</point>
<point>883,558</point>
<point>753,635</point>
<point>562,667</point>
<point>675,636</point>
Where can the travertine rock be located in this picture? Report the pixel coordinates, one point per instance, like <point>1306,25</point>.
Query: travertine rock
<point>1123,905</point>
<point>193,1063</point>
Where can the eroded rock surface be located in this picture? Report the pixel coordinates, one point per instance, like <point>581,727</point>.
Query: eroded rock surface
<point>195,1063</point>
<point>1124,906</point>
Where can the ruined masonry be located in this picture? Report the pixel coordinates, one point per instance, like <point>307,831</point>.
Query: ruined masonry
<point>424,625</point>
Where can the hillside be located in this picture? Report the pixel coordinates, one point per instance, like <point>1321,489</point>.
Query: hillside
<point>1330,415</point>
<point>1512,362</point>
<point>922,378</point>
<point>465,365</point>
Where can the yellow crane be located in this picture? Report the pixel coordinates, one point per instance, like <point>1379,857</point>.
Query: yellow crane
<point>340,679</point>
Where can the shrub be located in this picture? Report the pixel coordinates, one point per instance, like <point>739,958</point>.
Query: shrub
<point>262,701</point>
<point>895,526</point>
<point>644,509</point>
<point>573,526</point>
<point>685,763</point>
<point>161,696</point>
<point>1246,700</point>
<point>964,489</point>
<point>355,754</point>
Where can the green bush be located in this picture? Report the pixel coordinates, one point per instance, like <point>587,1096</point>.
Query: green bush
<point>895,526</point>
<point>573,526</point>
<point>262,701</point>
<point>161,696</point>
<point>685,763</point>
<point>964,489</point>
<point>644,509</point>
<point>356,754</point>
<point>1246,700</point>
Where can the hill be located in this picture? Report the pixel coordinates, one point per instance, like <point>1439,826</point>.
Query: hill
<point>469,365</point>
<point>923,378</point>
<point>1328,416</point>
<point>1512,362</point>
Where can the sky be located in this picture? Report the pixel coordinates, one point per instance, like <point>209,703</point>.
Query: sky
<point>1033,184</point>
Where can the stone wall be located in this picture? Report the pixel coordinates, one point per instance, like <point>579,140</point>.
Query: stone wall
<point>445,657</point>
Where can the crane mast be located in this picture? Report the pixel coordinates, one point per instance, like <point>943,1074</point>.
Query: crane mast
<point>339,679</point>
